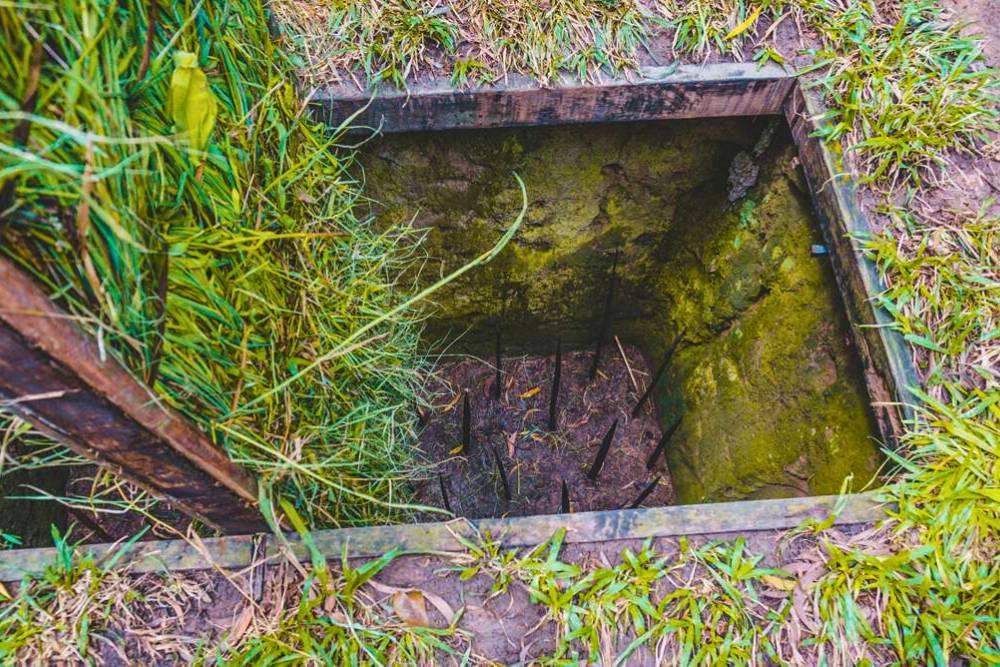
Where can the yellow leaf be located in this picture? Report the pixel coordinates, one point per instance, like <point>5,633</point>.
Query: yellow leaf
<point>4,592</point>
<point>456,450</point>
<point>741,28</point>
<point>778,582</point>
<point>530,392</point>
<point>191,102</point>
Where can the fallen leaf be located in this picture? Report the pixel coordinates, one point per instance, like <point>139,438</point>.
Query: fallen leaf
<point>241,623</point>
<point>191,103</point>
<point>531,392</point>
<point>439,602</point>
<point>778,582</point>
<point>455,450</point>
<point>741,28</point>
<point>410,607</point>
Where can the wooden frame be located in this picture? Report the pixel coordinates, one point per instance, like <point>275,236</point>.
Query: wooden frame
<point>237,552</point>
<point>670,93</point>
<point>657,93</point>
<point>53,375</point>
<point>888,369</point>
<point>47,355</point>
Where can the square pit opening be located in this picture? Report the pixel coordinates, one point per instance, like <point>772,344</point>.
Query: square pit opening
<point>706,231</point>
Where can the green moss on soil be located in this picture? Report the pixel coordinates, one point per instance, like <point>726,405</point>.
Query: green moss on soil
<point>771,401</point>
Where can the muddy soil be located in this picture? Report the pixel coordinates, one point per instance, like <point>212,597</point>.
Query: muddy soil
<point>537,460</point>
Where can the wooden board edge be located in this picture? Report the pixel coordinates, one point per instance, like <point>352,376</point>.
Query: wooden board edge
<point>656,93</point>
<point>235,552</point>
<point>888,368</point>
<point>54,375</point>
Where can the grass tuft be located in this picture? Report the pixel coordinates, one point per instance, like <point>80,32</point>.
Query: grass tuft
<point>268,266</point>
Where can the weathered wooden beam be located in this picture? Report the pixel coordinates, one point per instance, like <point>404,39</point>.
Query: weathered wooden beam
<point>583,527</point>
<point>655,93</point>
<point>52,375</point>
<point>888,369</point>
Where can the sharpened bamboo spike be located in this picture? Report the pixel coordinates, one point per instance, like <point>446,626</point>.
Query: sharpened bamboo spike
<point>662,444</point>
<point>503,473</point>
<point>645,493</point>
<point>444,493</point>
<point>498,383</point>
<point>554,399</point>
<point>606,318</point>
<point>602,453</point>
<point>564,499</point>
<point>657,376</point>
<point>466,425</point>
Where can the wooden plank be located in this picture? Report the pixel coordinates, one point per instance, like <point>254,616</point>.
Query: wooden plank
<point>369,542</point>
<point>656,93</point>
<point>888,368</point>
<point>52,374</point>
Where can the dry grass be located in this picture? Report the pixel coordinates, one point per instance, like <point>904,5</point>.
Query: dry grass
<point>82,612</point>
<point>472,41</point>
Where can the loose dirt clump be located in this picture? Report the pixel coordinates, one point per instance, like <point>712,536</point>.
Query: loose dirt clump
<point>536,459</point>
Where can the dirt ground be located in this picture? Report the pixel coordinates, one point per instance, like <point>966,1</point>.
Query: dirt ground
<point>505,628</point>
<point>536,459</point>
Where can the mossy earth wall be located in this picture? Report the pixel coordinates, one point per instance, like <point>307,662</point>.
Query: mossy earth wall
<point>769,393</point>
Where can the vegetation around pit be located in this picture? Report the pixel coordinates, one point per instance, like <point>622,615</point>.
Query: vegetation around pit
<point>211,247</point>
<point>907,95</point>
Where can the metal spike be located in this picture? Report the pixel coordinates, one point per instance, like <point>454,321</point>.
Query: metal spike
<point>498,383</point>
<point>662,444</point>
<point>564,499</point>
<point>444,493</point>
<point>602,453</point>
<point>645,493</point>
<point>466,425</point>
<point>554,399</point>
<point>606,318</point>
<point>503,473</point>
<point>657,376</point>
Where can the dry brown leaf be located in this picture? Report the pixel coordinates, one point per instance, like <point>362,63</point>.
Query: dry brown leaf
<point>410,607</point>
<point>241,623</point>
<point>439,602</point>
